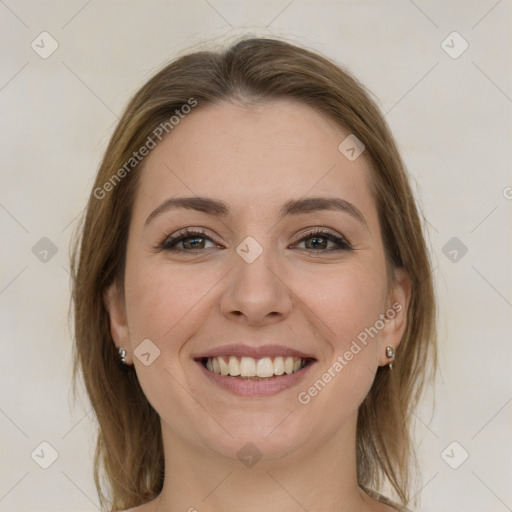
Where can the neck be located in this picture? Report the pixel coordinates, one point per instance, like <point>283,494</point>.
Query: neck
<point>320,476</point>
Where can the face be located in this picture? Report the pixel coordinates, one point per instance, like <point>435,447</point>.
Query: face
<point>270,279</point>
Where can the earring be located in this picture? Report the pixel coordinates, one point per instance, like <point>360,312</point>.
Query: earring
<point>122,355</point>
<point>390,353</point>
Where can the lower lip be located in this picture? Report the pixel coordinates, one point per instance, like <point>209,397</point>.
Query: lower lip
<point>243,387</point>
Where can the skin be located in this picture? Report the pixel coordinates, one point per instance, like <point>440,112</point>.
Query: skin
<point>292,294</point>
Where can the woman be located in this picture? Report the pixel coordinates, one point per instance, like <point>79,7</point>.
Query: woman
<point>254,307</point>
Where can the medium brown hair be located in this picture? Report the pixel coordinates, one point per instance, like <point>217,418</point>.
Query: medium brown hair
<point>129,444</point>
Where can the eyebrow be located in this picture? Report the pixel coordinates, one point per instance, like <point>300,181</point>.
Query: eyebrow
<point>292,207</point>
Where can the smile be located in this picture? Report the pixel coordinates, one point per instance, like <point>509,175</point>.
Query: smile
<point>254,369</point>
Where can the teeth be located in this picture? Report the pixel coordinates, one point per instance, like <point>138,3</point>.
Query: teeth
<point>224,367</point>
<point>278,366</point>
<point>249,367</point>
<point>234,366</point>
<point>264,367</point>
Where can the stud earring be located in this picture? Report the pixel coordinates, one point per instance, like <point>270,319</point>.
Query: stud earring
<point>390,353</point>
<point>122,355</point>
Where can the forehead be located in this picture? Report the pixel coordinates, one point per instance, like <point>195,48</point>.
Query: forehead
<point>254,157</point>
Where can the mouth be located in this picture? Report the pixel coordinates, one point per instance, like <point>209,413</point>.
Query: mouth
<point>266,371</point>
<point>249,368</point>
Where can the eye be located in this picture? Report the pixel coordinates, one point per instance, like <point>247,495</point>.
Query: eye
<point>192,241</point>
<point>320,240</point>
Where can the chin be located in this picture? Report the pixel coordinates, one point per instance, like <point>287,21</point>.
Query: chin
<point>264,438</point>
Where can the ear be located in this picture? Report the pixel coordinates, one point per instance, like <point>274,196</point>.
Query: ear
<point>114,302</point>
<point>397,305</point>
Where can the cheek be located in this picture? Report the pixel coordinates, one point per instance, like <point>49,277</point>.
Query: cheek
<point>349,303</point>
<point>348,300</point>
<point>162,300</point>
<point>163,305</point>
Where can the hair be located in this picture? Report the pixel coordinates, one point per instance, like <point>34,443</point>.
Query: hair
<point>129,445</point>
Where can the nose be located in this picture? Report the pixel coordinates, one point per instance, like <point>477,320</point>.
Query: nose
<point>256,293</point>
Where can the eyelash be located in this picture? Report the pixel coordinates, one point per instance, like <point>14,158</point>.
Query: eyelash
<point>168,244</point>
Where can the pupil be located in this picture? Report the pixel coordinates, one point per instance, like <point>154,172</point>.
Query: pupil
<point>193,241</point>
<point>318,238</point>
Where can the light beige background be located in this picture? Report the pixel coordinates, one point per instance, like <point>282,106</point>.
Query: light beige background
<point>451,117</point>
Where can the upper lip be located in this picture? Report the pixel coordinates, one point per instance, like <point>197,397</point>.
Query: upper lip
<point>258,352</point>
